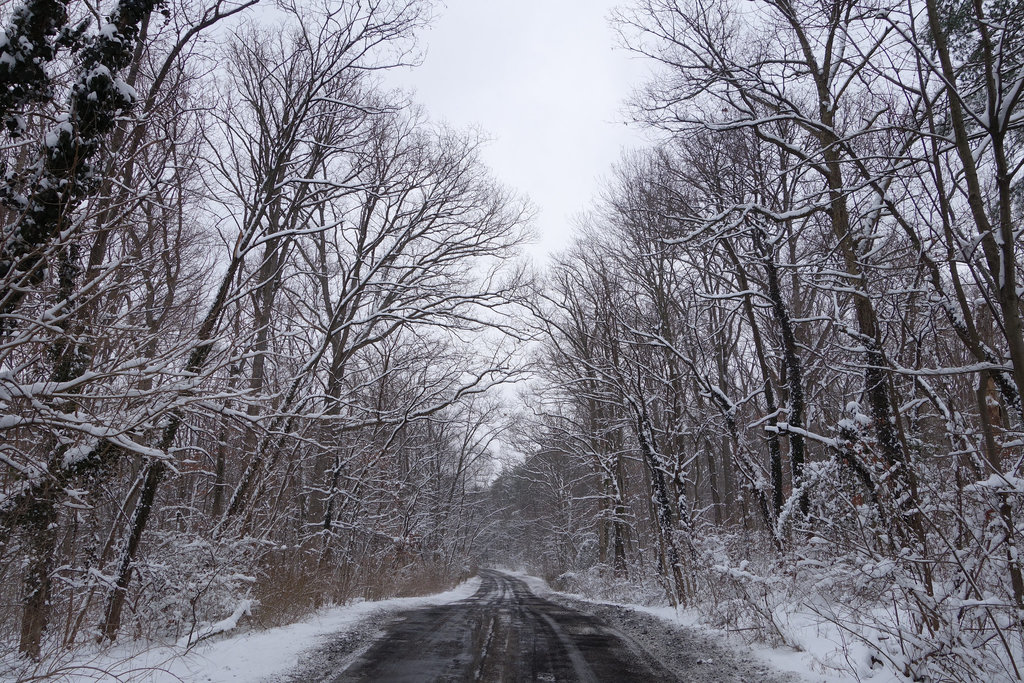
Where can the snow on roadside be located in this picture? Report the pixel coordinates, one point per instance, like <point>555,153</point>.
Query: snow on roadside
<point>249,656</point>
<point>824,656</point>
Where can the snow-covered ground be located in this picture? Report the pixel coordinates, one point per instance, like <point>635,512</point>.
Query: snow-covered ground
<point>248,656</point>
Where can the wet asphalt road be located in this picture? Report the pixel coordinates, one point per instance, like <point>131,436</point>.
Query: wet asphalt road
<point>504,633</point>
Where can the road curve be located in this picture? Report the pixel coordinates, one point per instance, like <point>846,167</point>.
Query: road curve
<point>502,633</point>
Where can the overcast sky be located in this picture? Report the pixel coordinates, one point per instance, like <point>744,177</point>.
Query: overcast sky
<point>546,80</point>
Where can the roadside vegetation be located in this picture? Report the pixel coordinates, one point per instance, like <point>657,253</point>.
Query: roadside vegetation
<point>251,306</point>
<point>260,317</point>
<point>783,362</point>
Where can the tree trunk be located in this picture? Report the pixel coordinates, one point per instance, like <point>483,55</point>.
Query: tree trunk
<point>40,526</point>
<point>665,519</point>
<point>112,617</point>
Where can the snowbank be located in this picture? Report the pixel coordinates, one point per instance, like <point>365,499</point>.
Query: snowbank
<point>249,656</point>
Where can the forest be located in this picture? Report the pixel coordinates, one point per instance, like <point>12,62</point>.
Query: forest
<point>269,342</point>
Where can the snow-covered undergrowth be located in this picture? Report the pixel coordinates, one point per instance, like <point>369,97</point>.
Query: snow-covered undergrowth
<point>807,647</point>
<point>597,584</point>
<point>234,651</point>
<point>191,590</point>
<point>844,613</point>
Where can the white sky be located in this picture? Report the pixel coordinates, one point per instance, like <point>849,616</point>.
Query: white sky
<point>547,81</point>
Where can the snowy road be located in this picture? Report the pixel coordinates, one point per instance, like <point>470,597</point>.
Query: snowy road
<point>502,633</point>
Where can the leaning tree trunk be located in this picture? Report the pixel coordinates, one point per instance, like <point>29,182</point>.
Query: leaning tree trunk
<point>157,467</point>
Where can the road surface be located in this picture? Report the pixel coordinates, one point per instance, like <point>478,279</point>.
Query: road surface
<point>502,633</point>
